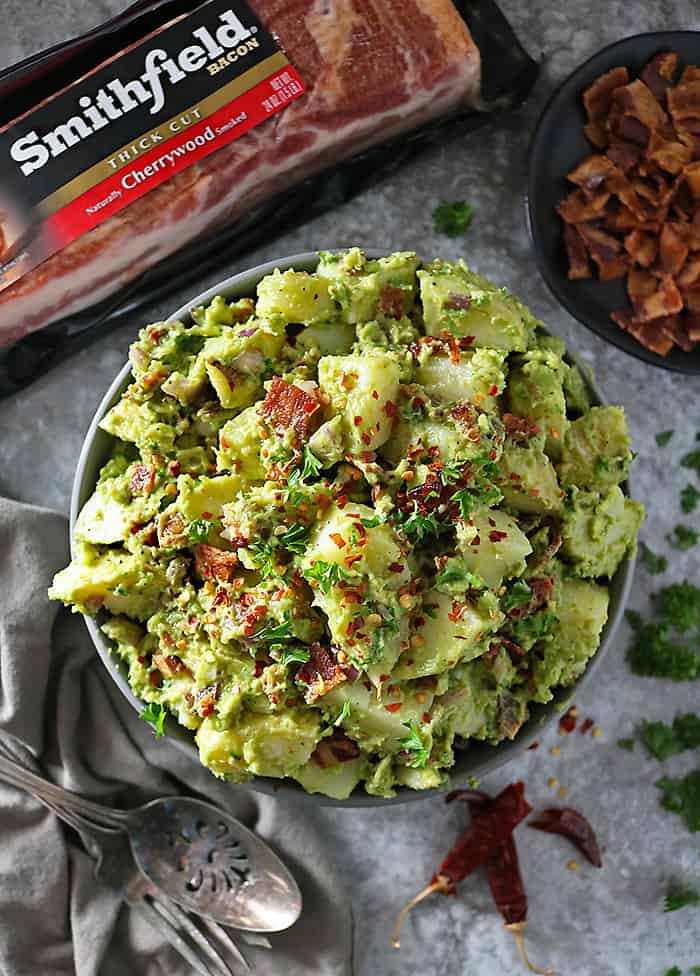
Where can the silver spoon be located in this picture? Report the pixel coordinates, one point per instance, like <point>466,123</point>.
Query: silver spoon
<point>200,856</point>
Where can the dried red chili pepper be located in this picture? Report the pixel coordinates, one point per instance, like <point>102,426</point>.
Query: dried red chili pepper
<point>573,825</point>
<point>495,824</point>
<point>504,877</point>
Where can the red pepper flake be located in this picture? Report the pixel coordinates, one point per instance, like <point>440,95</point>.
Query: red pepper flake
<point>476,541</point>
<point>259,668</point>
<point>533,745</point>
<point>390,408</point>
<point>456,611</point>
<point>586,726</point>
<point>567,723</point>
<point>141,659</point>
<point>357,420</point>
<point>375,394</point>
<point>493,390</point>
<point>206,515</point>
<point>492,523</point>
<point>173,468</point>
<point>426,717</point>
<point>495,536</point>
<point>338,539</point>
<point>342,501</point>
<point>493,455</point>
<point>395,567</point>
<point>350,560</point>
<point>365,438</point>
<point>393,708</point>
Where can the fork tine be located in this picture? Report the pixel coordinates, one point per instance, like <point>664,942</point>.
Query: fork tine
<point>171,935</point>
<point>226,939</point>
<point>256,939</point>
<point>180,918</point>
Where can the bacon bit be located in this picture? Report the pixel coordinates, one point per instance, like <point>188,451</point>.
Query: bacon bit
<point>143,479</point>
<point>321,673</point>
<point>513,649</point>
<point>366,438</point>
<point>259,667</point>
<point>426,717</point>
<point>567,723</point>
<point>352,559</point>
<point>213,563</point>
<point>334,749</point>
<point>395,567</point>
<point>141,659</point>
<point>519,429</point>
<point>357,420</point>
<point>155,679</point>
<point>342,501</point>
<point>288,407</point>
<point>457,303</point>
<point>393,708</point>
<point>338,540</point>
<point>476,541</point>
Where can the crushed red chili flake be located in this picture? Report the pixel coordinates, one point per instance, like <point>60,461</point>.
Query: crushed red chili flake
<point>357,420</point>
<point>496,536</point>
<point>476,541</point>
<point>375,394</point>
<point>174,468</point>
<point>393,708</point>
<point>493,389</point>
<point>395,567</point>
<point>533,745</point>
<point>338,540</point>
<point>143,479</point>
<point>141,659</point>
<point>342,501</point>
<point>390,408</point>
<point>365,438</point>
<point>586,725</point>
<point>568,721</point>
<point>426,717</point>
<point>492,523</point>
<point>352,559</point>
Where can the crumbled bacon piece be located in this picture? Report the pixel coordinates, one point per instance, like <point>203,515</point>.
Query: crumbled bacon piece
<point>659,73</point>
<point>143,479</point>
<point>288,407</point>
<point>214,564</point>
<point>597,99</point>
<point>334,749</point>
<point>321,673</point>
<point>519,428</point>
<point>496,536</point>
<point>457,303</point>
<point>169,664</point>
<point>464,414</point>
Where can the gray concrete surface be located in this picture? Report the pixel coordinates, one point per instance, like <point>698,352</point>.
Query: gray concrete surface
<point>584,923</point>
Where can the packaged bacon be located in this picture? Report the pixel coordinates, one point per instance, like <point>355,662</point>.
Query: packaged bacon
<point>146,153</point>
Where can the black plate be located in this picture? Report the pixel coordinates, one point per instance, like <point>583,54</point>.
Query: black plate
<point>557,145</point>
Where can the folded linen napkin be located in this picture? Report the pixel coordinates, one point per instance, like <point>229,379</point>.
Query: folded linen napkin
<point>69,722</point>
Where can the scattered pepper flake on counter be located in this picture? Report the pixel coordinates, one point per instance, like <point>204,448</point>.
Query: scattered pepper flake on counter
<point>679,896</point>
<point>682,796</point>
<point>571,824</point>
<point>664,437</point>
<point>452,218</point>
<point>652,563</point>
<point>683,537</point>
<point>568,721</point>
<point>587,725</point>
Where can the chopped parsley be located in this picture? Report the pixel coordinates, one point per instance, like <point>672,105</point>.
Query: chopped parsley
<point>154,713</point>
<point>312,466</point>
<point>295,538</point>
<point>188,344</point>
<point>518,595</point>
<point>294,495</point>
<point>679,605</point>
<point>664,740</point>
<point>410,414</point>
<point>691,460</point>
<point>682,796</point>
<point>683,537</point>
<point>627,744</point>
<point>343,713</point>
<point>533,628</point>
<point>652,563</point>
<point>387,629</point>
<point>264,558</point>
<point>468,498</point>
<point>664,437</point>
<point>419,527</point>
<point>653,652</point>
<point>690,497</point>
<point>414,744</point>
<point>452,217</point>
<point>456,574</point>
<point>199,530</point>
<point>276,632</point>
<point>678,896</point>
<point>326,574</point>
<point>294,655</point>
<point>451,471</point>
<point>371,523</point>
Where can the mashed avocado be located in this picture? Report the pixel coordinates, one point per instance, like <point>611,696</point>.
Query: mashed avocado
<point>354,523</point>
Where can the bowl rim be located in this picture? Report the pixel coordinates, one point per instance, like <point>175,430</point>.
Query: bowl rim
<point>551,279</point>
<point>238,285</point>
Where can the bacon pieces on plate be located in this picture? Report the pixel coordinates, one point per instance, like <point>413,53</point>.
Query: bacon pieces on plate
<point>634,209</point>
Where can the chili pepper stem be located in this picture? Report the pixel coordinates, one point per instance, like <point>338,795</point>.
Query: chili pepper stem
<point>442,883</point>
<point>518,929</point>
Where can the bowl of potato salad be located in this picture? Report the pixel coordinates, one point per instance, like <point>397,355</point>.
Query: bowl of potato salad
<point>352,526</point>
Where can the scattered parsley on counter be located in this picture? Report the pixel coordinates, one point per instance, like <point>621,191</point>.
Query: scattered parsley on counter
<point>682,796</point>
<point>679,605</point>
<point>691,460</point>
<point>683,537</point>
<point>627,744</point>
<point>673,971</point>
<point>155,713</point>
<point>652,652</point>
<point>690,497</point>
<point>678,897</point>
<point>664,437</point>
<point>664,740</point>
<point>452,218</point>
<point>652,563</point>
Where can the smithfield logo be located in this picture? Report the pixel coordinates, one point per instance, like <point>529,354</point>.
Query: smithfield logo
<point>116,98</point>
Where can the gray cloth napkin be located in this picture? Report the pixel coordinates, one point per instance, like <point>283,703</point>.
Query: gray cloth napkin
<point>70,722</point>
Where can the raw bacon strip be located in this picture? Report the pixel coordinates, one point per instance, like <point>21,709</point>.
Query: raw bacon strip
<point>288,407</point>
<point>372,68</point>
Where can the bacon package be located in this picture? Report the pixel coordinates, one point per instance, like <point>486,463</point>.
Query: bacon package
<point>146,153</point>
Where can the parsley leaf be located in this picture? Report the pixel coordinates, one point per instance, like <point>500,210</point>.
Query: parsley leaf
<point>154,713</point>
<point>678,896</point>
<point>627,744</point>
<point>292,655</point>
<point>518,595</point>
<point>188,344</point>
<point>533,628</point>
<point>312,465</point>
<point>452,218</point>
<point>411,414</point>
<point>370,523</point>
<point>276,632</point>
<point>199,530</point>
<point>451,471</point>
<point>660,740</point>
<point>413,743</point>
<point>419,527</point>
<point>264,558</point>
<point>691,460</point>
<point>294,495</point>
<point>652,654</point>
<point>652,563</point>
<point>690,497</point>
<point>682,796</point>
<point>326,574</point>
<point>295,538</point>
<point>679,605</point>
<point>664,437</point>
<point>683,537</point>
<point>673,971</point>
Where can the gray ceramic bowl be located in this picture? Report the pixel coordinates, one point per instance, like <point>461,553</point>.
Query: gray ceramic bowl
<point>476,759</point>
